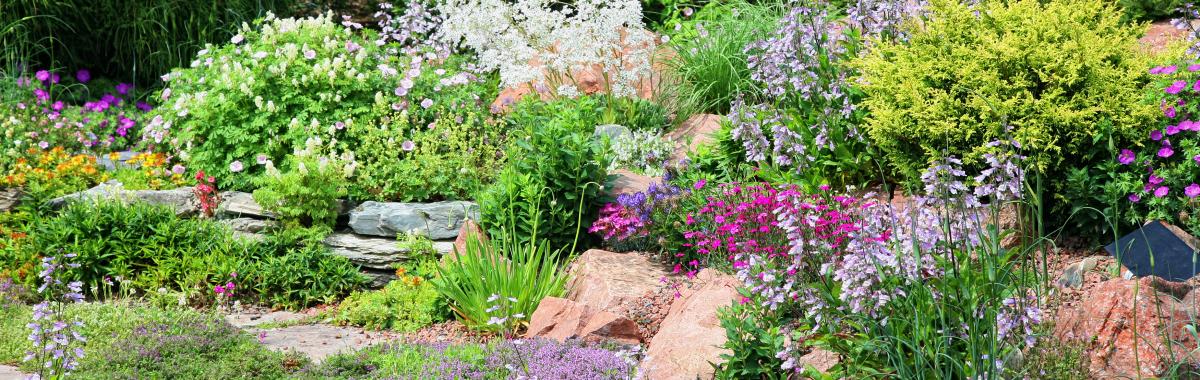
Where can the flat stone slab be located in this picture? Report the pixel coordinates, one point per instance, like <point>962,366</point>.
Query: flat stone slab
<point>248,320</point>
<point>437,220</point>
<point>319,341</point>
<point>10,372</point>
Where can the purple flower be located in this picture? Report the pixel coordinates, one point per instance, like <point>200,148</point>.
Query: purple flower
<point>1161,191</point>
<point>83,76</point>
<point>310,54</point>
<point>699,184</point>
<point>123,88</point>
<point>42,75</point>
<point>1126,157</point>
<point>1169,112</point>
<point>352,47</point>
<point>1165,151</point>
<point>1156,135</point>
<point>236,166</point>
<point>1172,130</point>
<point>1163,70</point>
<point>144,107</point>
<point>427,103</point>
<point>178,169</point>
<point>1176,87</point>
<point>408,145</point>
<point>1135,198</point>
<point>1192,190</point>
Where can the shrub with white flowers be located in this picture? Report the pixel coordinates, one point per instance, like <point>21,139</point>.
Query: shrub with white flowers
<point>267,91</point>
<point>511,36</point>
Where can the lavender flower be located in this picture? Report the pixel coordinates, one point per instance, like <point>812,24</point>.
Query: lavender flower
<point>1017,318</point>
<point>57,343</point>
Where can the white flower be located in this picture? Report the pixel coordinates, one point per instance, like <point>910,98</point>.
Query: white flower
<point>237,39</point>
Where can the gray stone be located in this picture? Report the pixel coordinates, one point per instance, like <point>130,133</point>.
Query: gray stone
<point>373,252</point>
<point>246,320</point>
<point>180,199</point>
<point>319,341</point>
<point>248,225</point>
<point>9,199</point>
<point>438,220</point>
<point>613,131</point>
<point>108,163</point>
<point>1072,277</point>
<point>10,372</point>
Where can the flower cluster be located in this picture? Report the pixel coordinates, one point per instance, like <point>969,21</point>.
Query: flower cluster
<point>632,218</point>
<point>57,343</point>
<point>1017,318</point>
<point>206,193</point>
<point>501,314</point>
<point>1167,165</point>
<point>412,29</point>
<point>548,359</point>
<point>51,173</point>
<point>510,36</point>
<point>49,119</point>
<point>643,152</point>
<point>224,293</point>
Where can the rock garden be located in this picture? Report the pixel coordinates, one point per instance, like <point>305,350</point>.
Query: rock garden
<point>624,189</point>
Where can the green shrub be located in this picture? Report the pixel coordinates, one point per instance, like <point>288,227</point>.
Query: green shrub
<point>148,246</point>
<point>301,277</point>
<point>120,39</point>
<point>496,285</point>
<point>551,187</point>
<point>584,113</point>
<point>306,196</point>
<point>753,338</point>
<point>1150,10</point>
<point>405,304</point>
<point>1056,73</point>
<point>711,49</point>
<point>641,152</point>
<point>451,159</point>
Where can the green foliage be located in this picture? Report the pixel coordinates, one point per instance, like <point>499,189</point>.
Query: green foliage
<point>641,152</point>
<point>148,246</point>
<point>119,39</point>
<point>127,339</point>
<point>584,113</point>
<point>301,277</point>
<point>405,361</point>
<point>753,338</point>
<point>1053,359</point>
<point>711,53</point>
<point>551,187</point>
<point>306,196</point>
<point>1150,10</point>
<point>457,155</point>
<point>405,304</point>
<point>1055,72</point>
<point>501,272</point>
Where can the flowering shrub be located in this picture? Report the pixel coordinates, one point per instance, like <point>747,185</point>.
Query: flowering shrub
<point>642,152</point>
<point>1159,179</point>
<point>148,171</point>
<point>267,91</point>
<point>564,37</point>
<point>206,194</point>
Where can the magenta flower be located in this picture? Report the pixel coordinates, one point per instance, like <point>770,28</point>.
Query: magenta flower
<point>1172,130</point>
<point>219,289</point>
<point>1165,151</point>
<point>1161,191</point>
<point>1196,86</point>
<point>699,184</point>
<point>1163,70</point>
<point>42,75</point>
<point>1134,198</point>
<point>1176,87</point>
<point>54,78</point>
<point>1156,135</point>
<point>1126,157</point>
<point>1196,158</point>
<point>1192,191</point>
<point>83,76</point>
<point>1193,68</point>
<point>1169,112</point>
<point>123,88</point>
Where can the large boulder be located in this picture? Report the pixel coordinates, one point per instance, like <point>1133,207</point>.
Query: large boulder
<point>1126,325</point>
<point>9,198</point>
<point>606,280</point>
<point>468,231</point>
<point>692,133</point>
<point>562,319</point>
<point>438,220</point>
<point>182,199</point>
<point>628,182</point>
<point>373,252</point>
<point>691,336</point>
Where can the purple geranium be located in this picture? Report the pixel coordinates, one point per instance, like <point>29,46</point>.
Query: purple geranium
<point>1126,157</point>
<point>1176,87</point>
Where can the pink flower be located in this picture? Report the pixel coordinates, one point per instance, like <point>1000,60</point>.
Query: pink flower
<point>1176,87</point>
<point>699,184</point>
<point>1161,191</point>
<point>83,76</point>
<point>408,145</point>
<point>42,75</point>
<point>178,169</point>
<point>1169,112</point>
<point>219,289</point>
<point>236,166</point>
<point>427,103</point>
<point>1192,191</point>
<point>1134,198</point>
<point>1165,151</point>
<point>1193,68</point>
<point>1156,135</point>
<point>310,54</point>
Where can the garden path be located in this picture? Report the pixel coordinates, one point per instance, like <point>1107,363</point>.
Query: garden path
<point>288,331</point>
<point>10,372</point>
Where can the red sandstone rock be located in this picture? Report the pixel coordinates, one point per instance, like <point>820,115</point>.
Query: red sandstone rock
<point>605,280</point>
<point>693,132</point>
<point>691,336</point>
<point>563,319</point>
<point>468,229</point>
<point>1126,324</point>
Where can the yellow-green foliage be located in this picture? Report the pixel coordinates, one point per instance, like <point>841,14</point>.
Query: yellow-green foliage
<point>1056,72</point>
